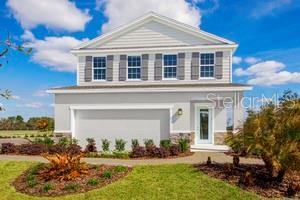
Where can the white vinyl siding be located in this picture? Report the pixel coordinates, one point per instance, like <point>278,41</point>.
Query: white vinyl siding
<point>153,34</point>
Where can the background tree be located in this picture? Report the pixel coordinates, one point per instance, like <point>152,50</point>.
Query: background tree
<point>6,46</point>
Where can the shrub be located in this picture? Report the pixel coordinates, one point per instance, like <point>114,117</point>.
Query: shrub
<point>107,175</point>
<point>32,149</point>
<point>151,151</point>
<point>148,143</point>
<point>31,180</point>
<point>138,152</point>
<point>120,145</point>
<point>184,144</point>
<point>74,149</point>
<point>64,166</point>
<point>93,181</point>
<point>57,148</point>
<point>134,143</point>
<point>165,143</point>
<point>63,141</point>
<point>105,144</point>
<point>91,146</point>
<point>161,152</point>
<point>71,186</point>
<point>8,148</point>
<point>120,168</point>
<point>45,140</point>
<point>47,187</point>
<point>273,131</point>
<point>174,150</point>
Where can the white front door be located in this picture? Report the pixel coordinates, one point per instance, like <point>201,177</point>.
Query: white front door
<point>204,125</point>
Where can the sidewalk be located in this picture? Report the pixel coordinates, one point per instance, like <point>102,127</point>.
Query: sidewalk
<point>198,157</point>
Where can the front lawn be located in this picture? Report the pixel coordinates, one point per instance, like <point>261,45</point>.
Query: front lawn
<point>22,133</point>
<point>144,182</point>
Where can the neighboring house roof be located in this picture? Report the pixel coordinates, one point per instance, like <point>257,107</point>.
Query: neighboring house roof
<point>156,87</point>
<point>196,32</point>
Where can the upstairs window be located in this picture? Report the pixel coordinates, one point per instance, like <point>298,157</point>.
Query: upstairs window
<point>207,65</point>
<point>170,66</point>
<point>134,67</point>
<point>99,68</point>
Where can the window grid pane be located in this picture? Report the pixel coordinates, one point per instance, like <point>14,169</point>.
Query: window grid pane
<point>170,66</point>
<point>207,61</point>
<point>134,67</point>
<point>99,68</point>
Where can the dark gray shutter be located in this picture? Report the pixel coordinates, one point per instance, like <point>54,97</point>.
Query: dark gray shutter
<point>158,67</point>
<point>180,67</point>
<point>88,69</point>
<point>122,67</point>
<point>144,67</point>
<point>219,65</point>
<point>195,66</point>
<point>109,67</point>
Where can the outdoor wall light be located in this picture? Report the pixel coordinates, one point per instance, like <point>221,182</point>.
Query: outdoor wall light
<point>179,111</point>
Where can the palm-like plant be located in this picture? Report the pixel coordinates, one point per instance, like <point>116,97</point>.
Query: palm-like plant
<point>274,134</point>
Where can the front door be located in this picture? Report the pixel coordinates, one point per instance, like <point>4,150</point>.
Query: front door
<point>204,126</point>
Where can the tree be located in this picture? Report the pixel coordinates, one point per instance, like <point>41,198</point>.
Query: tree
<point>273,133</point>
<point>6,47</point>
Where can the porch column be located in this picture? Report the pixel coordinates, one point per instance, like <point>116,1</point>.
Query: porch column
<point>238,111</point>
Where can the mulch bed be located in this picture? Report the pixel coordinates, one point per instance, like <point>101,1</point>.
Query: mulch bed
<point>263,184</point>
<point>78,185</point>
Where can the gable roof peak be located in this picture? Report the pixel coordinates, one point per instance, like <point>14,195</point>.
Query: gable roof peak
<point>151,15</point>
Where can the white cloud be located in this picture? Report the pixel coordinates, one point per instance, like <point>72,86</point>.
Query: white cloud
<point>34,105</point>
<point>120,12</point>
<point>252,60</point>
<point>41,93</point>
<point>15,97</point>
<point>54,14</point>
<point>54,52</point>
<point>236,60</point>
<point>268,7</point>
<point>268,73</point>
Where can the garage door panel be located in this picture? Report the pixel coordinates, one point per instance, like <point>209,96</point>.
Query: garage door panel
<point>121,124</point>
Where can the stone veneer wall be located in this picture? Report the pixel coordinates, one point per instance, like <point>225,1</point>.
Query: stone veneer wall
<point>219,138</point>
<point>174,137</point>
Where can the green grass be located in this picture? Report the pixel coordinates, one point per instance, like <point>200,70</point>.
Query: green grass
<point>22,133</point>
<point>144,182</point>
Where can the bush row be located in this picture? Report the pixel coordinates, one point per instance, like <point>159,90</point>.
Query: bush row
<point>165,149</point>
<point>42,146</point>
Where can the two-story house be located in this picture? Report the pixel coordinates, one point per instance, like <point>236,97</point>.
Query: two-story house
<point>154,78</point>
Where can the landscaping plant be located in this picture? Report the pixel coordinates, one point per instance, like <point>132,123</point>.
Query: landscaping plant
<point>148,143</point>
<point>8,148</point>
<point>91,146</point>
<point>165,143</point>
<point>120,145</point>
<point>134,143</point>
<point>105,144</point>
<point>138,152</point>
<point>184,144</point>
<point>174,150</point>
<point>64,166</point>
<point>273,133</point>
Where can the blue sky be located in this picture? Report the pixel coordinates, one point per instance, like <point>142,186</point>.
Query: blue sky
<point>267,32</point>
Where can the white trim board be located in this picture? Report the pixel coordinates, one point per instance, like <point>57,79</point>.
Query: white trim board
<point>149,90</point>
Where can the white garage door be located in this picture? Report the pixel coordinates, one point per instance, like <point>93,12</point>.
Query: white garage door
<point>122,124</point>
